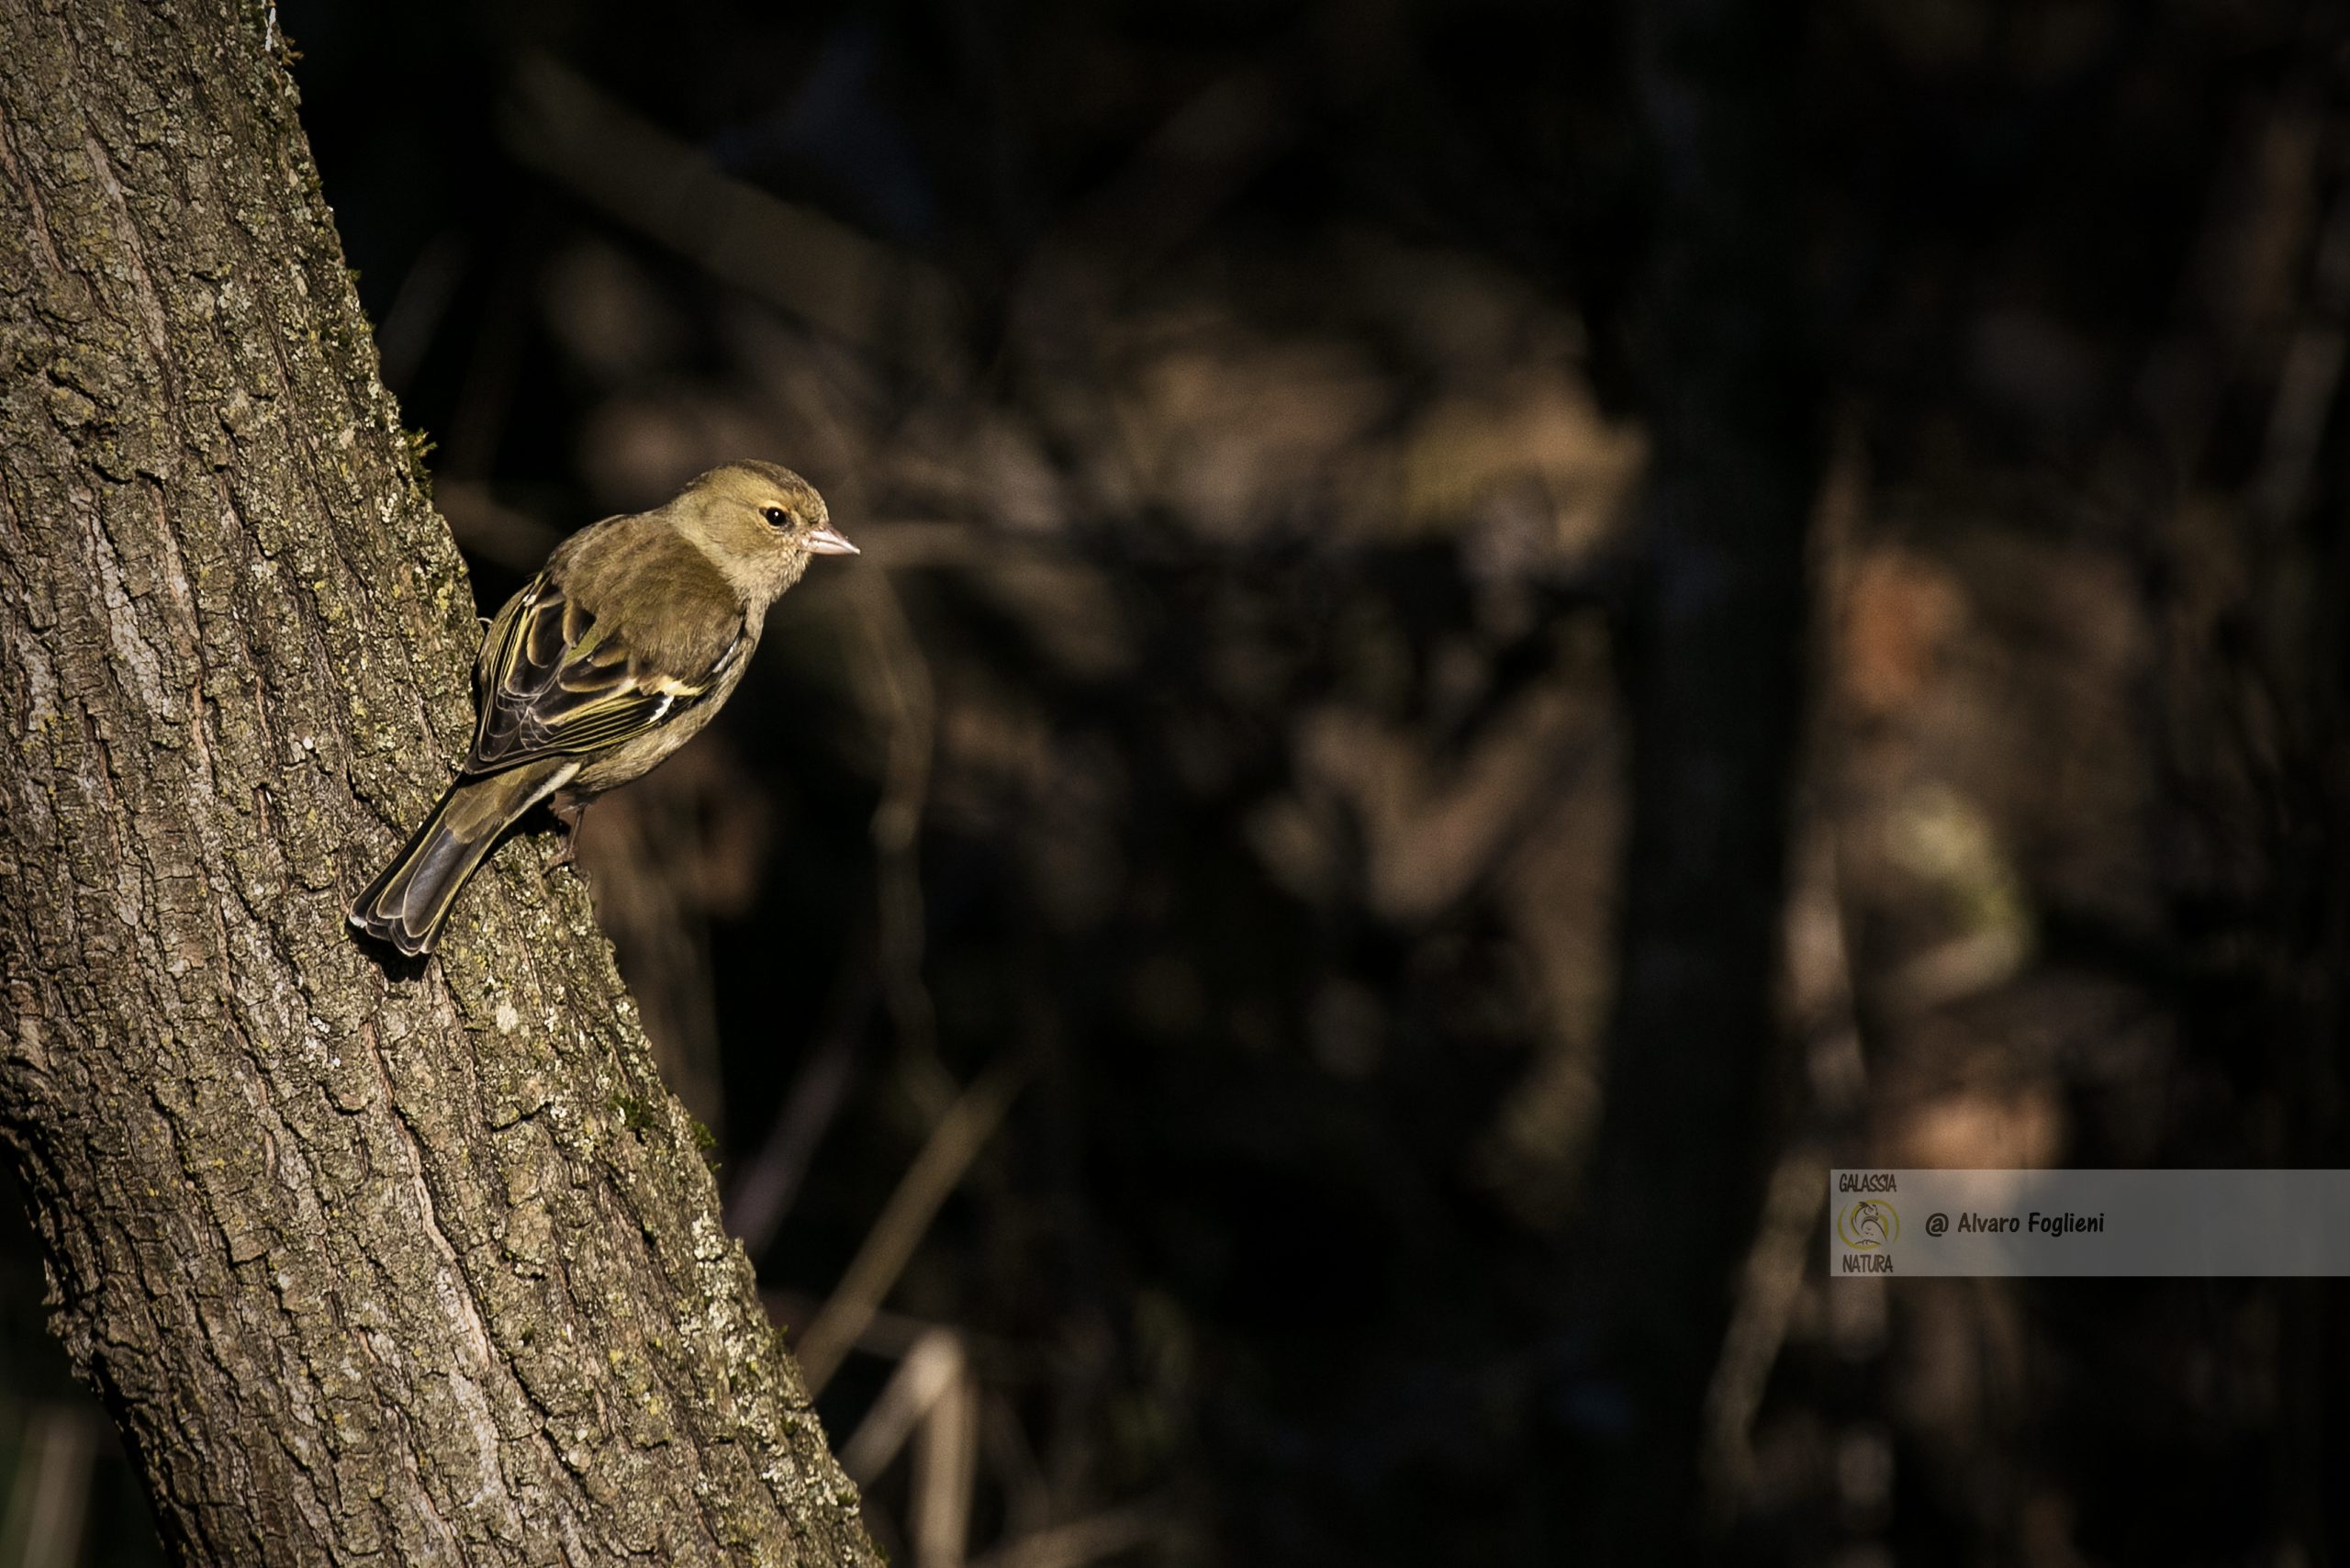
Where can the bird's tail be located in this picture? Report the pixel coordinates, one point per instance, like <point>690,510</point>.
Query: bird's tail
<point>406,906</point>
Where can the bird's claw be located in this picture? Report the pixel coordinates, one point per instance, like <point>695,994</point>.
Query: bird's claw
<point>569,812</point>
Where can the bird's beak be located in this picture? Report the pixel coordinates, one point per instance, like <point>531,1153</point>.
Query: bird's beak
<point>828,541</point>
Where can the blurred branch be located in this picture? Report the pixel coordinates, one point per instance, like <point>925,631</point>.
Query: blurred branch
<point>1198,160</point>
<point>894,685</point>
<point>934,1398</point>
<point>947,1452</point>
<point>1715,692</point>
<point>48,1502</point>
<point>1774,1272</point>
<point>1084,1540</point>
<point>933,1362</point>
<point>763,1193</point>
<point>874,296</point>
<point>420,306</point>
<point>1180,177</point>
<point>928,1182</point>
<point>2309,380</point>
<point>1027,1495</point>
<point>893,1335</point>
<point>664,861</point>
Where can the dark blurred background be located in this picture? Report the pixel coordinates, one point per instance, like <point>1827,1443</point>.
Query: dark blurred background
<point>1490,633</point>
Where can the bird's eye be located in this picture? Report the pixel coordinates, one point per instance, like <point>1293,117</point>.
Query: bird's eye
<point>777,517</point>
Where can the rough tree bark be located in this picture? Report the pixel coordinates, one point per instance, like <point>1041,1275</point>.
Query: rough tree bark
<point>407,1265</point>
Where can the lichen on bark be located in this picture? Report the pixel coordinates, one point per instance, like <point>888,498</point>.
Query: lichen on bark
<point>368,1262</point>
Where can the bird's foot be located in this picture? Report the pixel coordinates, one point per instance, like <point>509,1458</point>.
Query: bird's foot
<point>568,809</point>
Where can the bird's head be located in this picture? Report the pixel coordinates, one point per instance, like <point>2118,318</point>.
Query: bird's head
<point>761,522</point>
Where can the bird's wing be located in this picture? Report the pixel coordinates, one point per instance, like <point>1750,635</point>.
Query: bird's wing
<point>555,682</point>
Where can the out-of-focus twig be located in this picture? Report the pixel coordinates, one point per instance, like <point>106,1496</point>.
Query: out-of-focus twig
<point>1082,1541</point>
<point>1012,1459</point>
<point>420,306</point>
<point>934,1399</point>
<point>952,1145</point>
<point>665,860</point>
<point>893,683</point>
<point>947,1452</point>
<point>2310,381</point>
<point>933,1362</point>
<point>876,297</point>
<point>1758,1325</point>
<point>893,1335</point>
<point>762,1195</point>
<point>49,1501</point>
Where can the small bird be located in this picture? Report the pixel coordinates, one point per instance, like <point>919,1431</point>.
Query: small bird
<point>624,646</point>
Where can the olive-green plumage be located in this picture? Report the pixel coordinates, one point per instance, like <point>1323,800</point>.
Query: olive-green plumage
<point>614,656</point>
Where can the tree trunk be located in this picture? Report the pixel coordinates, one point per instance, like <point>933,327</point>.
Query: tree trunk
<point>1715,688</point>
<point>408,1264</point>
